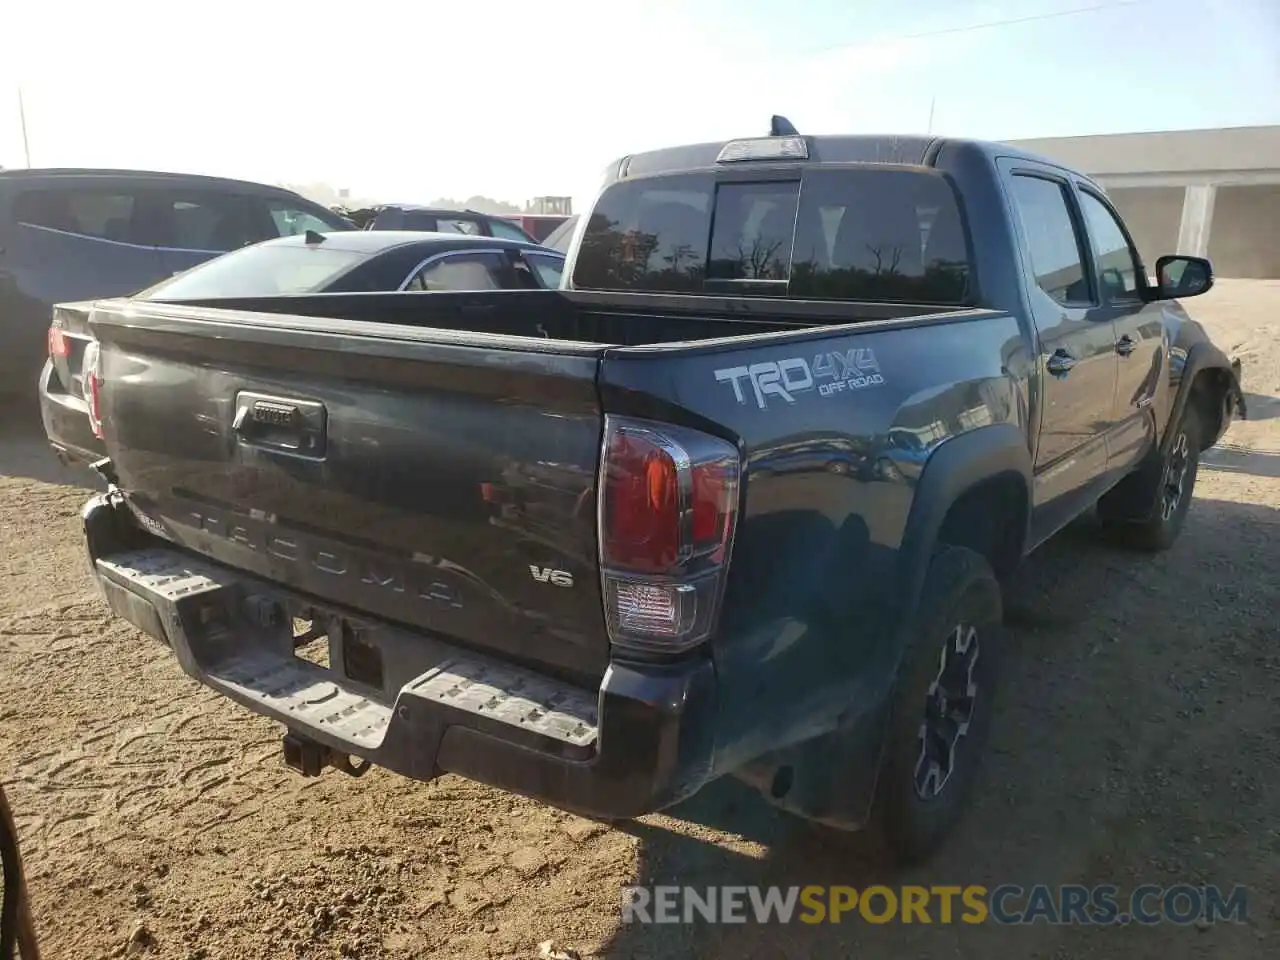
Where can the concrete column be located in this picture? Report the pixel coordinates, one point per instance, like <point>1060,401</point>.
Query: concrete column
<point>1197,218</point>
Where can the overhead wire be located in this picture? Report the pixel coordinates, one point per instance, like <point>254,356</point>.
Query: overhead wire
<point>985,25</point>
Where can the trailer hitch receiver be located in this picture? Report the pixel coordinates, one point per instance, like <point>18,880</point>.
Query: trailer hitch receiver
<point>310,758</point>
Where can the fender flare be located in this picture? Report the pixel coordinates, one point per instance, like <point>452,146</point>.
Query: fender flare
<point>955,467</point>
<point>1200,357</point>
<point>841,796</point>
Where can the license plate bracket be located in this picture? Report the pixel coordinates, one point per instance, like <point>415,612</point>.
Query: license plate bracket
<point>361,656</point>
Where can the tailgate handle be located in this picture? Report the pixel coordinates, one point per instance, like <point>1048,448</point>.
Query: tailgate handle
<point>282,424</point>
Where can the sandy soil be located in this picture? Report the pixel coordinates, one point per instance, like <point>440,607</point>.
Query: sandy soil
<point>1136,742</point>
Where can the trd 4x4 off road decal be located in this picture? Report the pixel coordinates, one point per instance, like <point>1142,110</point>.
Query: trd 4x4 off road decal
<point>829,374</point>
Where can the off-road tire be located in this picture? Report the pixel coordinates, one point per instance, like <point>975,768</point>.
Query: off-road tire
<point>1138,512</point>
<point>961,593</point>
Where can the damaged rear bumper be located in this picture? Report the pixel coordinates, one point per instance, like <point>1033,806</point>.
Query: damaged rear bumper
<point>404,700</point>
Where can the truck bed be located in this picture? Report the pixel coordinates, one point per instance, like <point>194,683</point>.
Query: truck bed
<point>611,319</point>
<point>433,460</point>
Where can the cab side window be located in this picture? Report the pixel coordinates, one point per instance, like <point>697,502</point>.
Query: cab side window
<point>1117,264</point>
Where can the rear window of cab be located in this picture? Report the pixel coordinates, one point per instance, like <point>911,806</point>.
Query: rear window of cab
<point>873,234</point>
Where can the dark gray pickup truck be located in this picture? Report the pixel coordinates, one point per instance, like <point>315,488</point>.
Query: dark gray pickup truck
<point>736,501</point>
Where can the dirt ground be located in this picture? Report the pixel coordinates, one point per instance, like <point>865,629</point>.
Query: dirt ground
<point>1136,741</point>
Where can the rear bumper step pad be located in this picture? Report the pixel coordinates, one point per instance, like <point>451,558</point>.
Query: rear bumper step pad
<point>257,666</point>
<point>643,741</point>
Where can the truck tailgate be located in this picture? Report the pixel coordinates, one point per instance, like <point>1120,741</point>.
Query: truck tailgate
<point>400,471</point>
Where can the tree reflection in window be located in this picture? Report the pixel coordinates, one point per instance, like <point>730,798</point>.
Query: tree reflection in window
<point>613,258</point>
<point>754,225</point>
<point>880,234</point>
<point>874,233</point>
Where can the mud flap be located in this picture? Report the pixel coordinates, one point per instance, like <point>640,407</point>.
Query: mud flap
<point>830,779</point>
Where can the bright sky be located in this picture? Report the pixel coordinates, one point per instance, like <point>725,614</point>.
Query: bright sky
<point>517,98</point>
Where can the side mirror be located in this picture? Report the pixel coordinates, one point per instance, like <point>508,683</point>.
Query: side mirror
<point>1179,276</point>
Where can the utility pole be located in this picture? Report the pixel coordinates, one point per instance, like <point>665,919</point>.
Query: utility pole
<point>22,119</point>
<point>932,103</point>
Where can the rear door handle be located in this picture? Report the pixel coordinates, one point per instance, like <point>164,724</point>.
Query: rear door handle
<point>1061,362</point>
<point>1126,345</point>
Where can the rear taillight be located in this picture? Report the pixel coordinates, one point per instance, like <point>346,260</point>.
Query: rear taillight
<point>58,347</point>
<point>668,504</point>
<point>91,375</point>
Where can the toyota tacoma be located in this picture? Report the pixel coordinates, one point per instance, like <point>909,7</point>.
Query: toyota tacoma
<point>738,500</point>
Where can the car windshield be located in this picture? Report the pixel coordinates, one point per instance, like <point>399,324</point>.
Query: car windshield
<point>263,270</point>
<point>874,234</point>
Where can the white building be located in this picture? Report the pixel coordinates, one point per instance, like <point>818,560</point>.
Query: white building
<point>1213,193</point>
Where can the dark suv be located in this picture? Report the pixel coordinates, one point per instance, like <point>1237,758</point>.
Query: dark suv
<point>69,235</point>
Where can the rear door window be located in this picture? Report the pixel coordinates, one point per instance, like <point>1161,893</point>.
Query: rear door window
<point>209,222</point>
<point>88,212</point>
<point>84,240</point>
<point>191,226</point>
<point>548,269</point>
<point>870,233</point>
<point>463,271</point>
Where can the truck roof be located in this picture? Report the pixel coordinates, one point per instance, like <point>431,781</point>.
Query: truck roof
<point>908,150</point>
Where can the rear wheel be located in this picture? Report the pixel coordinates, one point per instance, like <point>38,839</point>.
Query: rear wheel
<point>942,706</point>
<point>1147,509</point>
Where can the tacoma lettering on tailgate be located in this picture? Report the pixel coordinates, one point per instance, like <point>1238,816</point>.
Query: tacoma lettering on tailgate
<point>371,572</point>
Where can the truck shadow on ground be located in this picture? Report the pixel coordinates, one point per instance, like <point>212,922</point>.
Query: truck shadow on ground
<point>25,451</point>
<point>1260,406</point>
<point>1231,458</point>
<point>1085,704</point>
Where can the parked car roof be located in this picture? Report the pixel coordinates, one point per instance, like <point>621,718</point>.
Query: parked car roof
<point>440,211</point>
<point>375,241</point>
<point>37,173</point>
